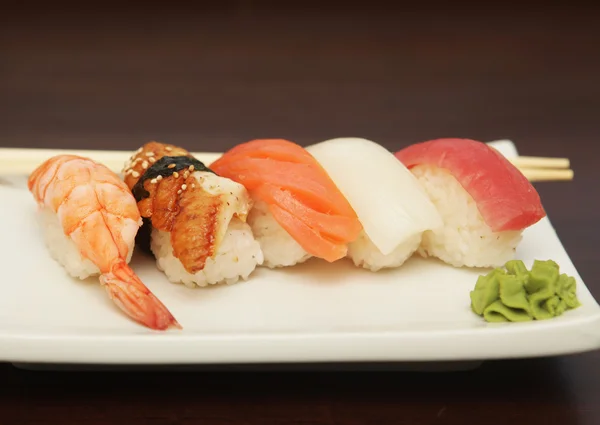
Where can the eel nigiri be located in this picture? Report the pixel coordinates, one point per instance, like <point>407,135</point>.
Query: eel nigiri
<point>391,205</point>
<point>484,200</point>
<point>299,212</point>
<point>89,222</point>
<point>197,218</point>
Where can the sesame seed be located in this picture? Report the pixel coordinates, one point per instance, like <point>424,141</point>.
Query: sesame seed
<point>186,174</point>
<point>152,159</point>
<point>191,168</point>
<point>153,181</point>
<point>149,153</point>
<point>159,178</point>
<point>129,171</point>
<point>168,148</point>
<point>179,192</point>
<point>193,185</point>
<point>176,174</point>
<point>145,165</point>
<point>183,186</point>
<point>139,150</point>
<point>171,166</point>
<point>137,160</point>
<point>135,174</point>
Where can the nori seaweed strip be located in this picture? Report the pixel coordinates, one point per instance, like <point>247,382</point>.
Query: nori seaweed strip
<point>161,168</point>
<point>143,237</point>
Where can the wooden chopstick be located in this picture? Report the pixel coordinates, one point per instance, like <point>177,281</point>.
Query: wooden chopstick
<point>548,174</point>
<point>539,162</point>
<point>18,161</point>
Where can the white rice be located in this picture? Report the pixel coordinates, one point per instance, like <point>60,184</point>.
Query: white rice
<point>465,239</point>
<point>236,258</point>
<point>64,250</point>
<point>278,247</point>
<point>364,253</point>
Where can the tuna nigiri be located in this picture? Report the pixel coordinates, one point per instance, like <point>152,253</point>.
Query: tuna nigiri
<point>298,210</point>
<point>391,205</point>
<point>484,200</point>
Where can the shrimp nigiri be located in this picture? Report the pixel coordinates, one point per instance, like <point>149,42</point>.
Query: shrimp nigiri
<point>90,220</point>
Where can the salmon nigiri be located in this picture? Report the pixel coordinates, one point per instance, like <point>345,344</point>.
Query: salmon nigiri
<point>484,200</point>
<point>298,210</point>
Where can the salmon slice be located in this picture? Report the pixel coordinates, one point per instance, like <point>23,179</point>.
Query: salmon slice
<point>299,193</point>
<point>278,149</point>
<point>334,228</point>
<point>303,181</point>
<point>503,195</point>
<point>307,236</point>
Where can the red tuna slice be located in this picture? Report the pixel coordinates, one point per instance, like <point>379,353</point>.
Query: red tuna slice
<point>503,195</point>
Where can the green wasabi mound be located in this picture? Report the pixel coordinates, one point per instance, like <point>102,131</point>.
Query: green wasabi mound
<point>515,294</point>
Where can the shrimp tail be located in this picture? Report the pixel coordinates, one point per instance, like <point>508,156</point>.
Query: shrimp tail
<point>128,292</point>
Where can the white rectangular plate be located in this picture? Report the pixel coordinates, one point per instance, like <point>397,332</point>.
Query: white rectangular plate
<point>316,312</point>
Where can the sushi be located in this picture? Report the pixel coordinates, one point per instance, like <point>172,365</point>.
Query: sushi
<point>89,221</point>
<point>393,209</point>
<point>484,200</point>
<point>298,210</point>
<point>197,219</point>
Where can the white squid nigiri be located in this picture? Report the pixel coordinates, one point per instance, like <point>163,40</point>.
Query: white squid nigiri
<point>389,201</point>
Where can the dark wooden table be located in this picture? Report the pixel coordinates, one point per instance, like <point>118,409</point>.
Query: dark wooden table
<point>240,71</point>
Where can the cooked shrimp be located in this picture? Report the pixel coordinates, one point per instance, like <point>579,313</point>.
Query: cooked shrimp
<point>99,218</point>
